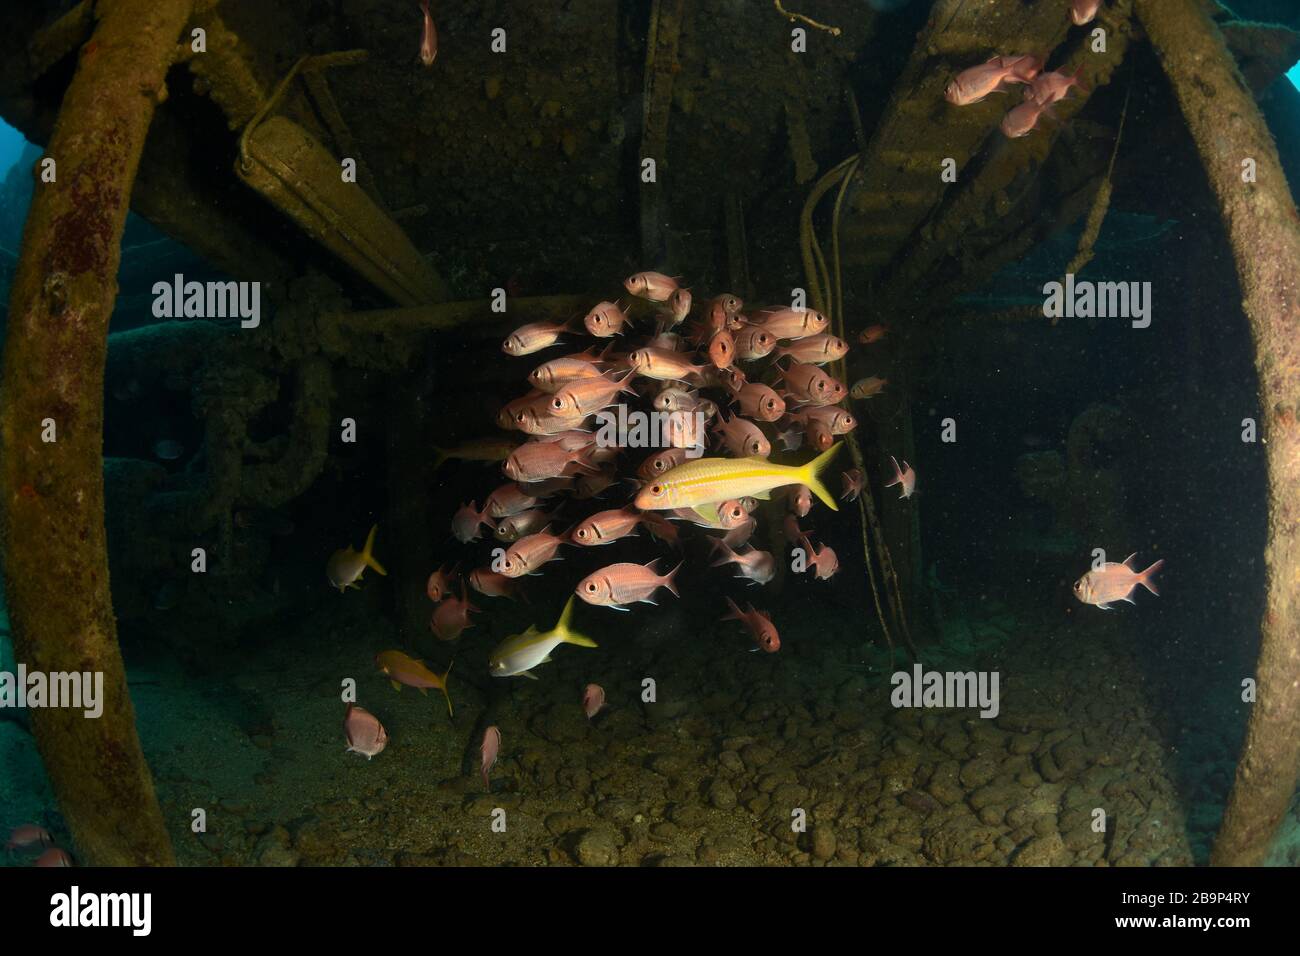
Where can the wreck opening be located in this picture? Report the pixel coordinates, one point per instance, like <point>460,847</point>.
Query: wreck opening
<point>1055,324</point>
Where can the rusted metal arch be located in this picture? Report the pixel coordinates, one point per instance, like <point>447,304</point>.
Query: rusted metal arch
<point>52,494</point>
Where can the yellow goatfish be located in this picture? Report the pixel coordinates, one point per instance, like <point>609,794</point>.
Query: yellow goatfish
<point>707,480</point>
<point>345,565</point>
<point>516,656</point>
<point>402,669</point>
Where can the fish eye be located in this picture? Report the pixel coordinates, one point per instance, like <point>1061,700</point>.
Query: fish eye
<point>591,586</point>
<point>657,490</point>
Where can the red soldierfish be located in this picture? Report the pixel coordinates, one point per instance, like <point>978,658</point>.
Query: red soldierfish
<point>606,527</point>
<point>534,337</point>
<point>28,836</point>
<point>875,333</point>
<point>792,323</point>
<point>440,584</point>
<point>654,286</point>
<point>817,349</point>
<point>1048,88</point>
<point>593,699</point>
<point>508,500</point>
<point>363,731</point>
<point>1023,68</point>
<point>1115,582</point>
<point>759,624</point>
<point>799,498</point>
<point>54,857</point>
<point>620,584</point>
<point>451,617</point>
<point>428,38</point>
<point>491,584</point>
<point>752,343</point>
<point>1083,11</point>
<point>529,553</point>
<point>974,85</point>
<point>1023,119</point>
<point>465,523</point>
<point>823,561</point>
<point>904,476</point>
<point>537,461</point>
<point>605,320</point>
<point>759,401</point>
<point>852,484</point>
<point>758,566</point>
<point>743,438</point>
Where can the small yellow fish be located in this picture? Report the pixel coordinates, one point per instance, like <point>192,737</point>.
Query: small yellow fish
<point>478,449</point>
<point>517,655</point>
<point>402,669</point>
<point>345,566</point>
<point>707,480</point>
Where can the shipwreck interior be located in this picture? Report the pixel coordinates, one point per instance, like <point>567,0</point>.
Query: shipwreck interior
<point>399,220</point>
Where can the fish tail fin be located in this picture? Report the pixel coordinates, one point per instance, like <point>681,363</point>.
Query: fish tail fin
<point>668,581</point>
<point>813,473</point>
<point>898,474</point>
<point>367,553</point>
<point>564,627</point>
<point>1144,578</point>
<point>440,458</point>
<point>445,692</point>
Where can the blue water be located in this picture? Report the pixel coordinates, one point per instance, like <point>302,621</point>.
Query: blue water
<point>11,146</point>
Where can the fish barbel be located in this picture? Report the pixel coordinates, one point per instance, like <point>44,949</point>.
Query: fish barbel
<point>707,480</point>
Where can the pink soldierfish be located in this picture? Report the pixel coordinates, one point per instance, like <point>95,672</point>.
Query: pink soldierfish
<point>839,420</point>
<point>806,383</point>
<point>28,836</point>
<point>514,527</point>
<point>661,462</point>
<point>451,617</point>
<point>54,857</point>
<point>975,84</point>
<point>677,309</point>
<point>743,438</point>
<point>508,500</point>
<point>1023,119</point>
<point>588,395</point>
<point>818,434</point>
<point>428,37</point>
<point>852,484</point>
<point>1115,582</point>
<point>553,375</point>
<point>823,561</point>
<point>722,349</point>
<point>605,320</point>
<point>1049,88</point>
<point>465,523</point>
<point>537,461</point>
<point>620,584</point>
<point>760,626</point>
<point>1083,11</point>
<point>529,553</point>
<point>440,583</point>
<point>790,526</point>
<point>873,334</point>
<point>664,366</point>
<point>758,566</point>
<point>761,402</point>
<point>534,337</point>
<point>868,387</point>
<point>654,286</point>
<point>816,349</point>
<point>363,731</point>
<point>740,535</point>
<point>792,323</point>
<point>753,342</point>
<point>904,477</point>
<point>593,699</point>
<point>491,584</point>
<point>606,527</point>
<point>488,751</point>
<point>1024,68</point>
<point>799,499</point>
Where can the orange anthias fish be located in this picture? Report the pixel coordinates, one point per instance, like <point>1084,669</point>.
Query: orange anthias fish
<point>345,566</point>
<point>428,37</point>
<point>1115,582</point>
<point>401,669</point>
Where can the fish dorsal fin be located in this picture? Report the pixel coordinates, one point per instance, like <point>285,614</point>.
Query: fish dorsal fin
<point>1128,562</point>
